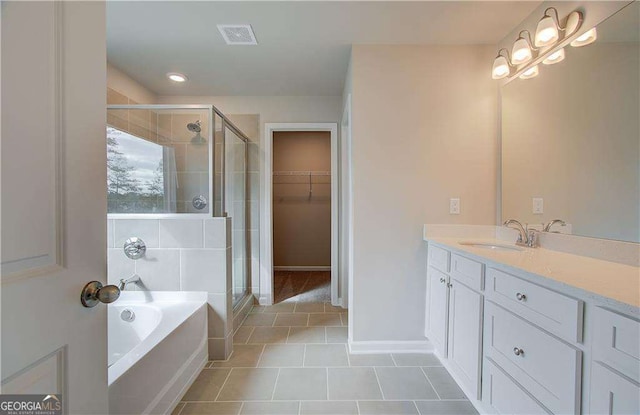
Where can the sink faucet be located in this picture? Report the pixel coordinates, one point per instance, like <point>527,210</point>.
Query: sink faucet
<point>134,279</point>
<point>547,227</point>
<point>527,236</point>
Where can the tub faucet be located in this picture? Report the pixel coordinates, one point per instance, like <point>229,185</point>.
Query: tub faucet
<point>547,227</point>
<point>527,236</point>
<point>134,279</point>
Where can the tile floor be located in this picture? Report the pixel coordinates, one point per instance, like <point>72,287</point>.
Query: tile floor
<point>292,358</point>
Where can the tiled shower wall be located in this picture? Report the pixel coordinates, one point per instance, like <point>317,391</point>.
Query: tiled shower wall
<point>182,255</point>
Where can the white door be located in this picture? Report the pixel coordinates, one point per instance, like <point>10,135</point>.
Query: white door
<point>53,175</point>
<point>465,335</point>
<point>437,310</point>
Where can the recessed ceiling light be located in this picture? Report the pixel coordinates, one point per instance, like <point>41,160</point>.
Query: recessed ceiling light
<point>176,77</point>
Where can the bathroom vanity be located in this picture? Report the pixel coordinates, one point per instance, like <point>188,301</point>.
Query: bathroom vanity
<point>553,329</point>
<point>531,330</point>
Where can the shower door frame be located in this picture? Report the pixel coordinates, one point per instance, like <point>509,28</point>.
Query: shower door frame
<point>266,213</point>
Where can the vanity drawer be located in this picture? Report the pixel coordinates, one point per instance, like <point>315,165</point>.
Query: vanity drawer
<point>616,342</point>
<point>439,258</point>
<point>506,396</point>
<point>545,366</point>
<point>555,312</point>
<point>467,271</point>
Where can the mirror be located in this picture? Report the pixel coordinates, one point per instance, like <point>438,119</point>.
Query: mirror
<point>571,137</point>
<point>158,161</point>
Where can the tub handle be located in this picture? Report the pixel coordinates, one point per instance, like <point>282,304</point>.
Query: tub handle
<point>94,293</point>
<point>134,248</point>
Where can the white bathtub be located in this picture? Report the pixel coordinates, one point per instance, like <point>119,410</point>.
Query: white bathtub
<point>155,357</point>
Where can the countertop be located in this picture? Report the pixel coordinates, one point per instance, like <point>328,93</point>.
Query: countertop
<point>601,280</point>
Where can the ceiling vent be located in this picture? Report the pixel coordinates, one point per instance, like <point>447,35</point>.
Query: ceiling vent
<point>237,34</point>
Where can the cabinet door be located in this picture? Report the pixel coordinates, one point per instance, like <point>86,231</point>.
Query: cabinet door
<point>465,336</point>
<point>612,394</point>
<point>436,312</point>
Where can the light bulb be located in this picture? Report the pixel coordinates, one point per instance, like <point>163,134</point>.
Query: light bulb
<point>555,57</point>
<point>546,32</point>
<point>586,38</point>
<point>500,68</point>
<point>530,73</point>
<point>521,52</point>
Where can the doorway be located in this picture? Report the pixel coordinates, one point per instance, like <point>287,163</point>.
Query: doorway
<point>301,204</point>
<point>300,207</point>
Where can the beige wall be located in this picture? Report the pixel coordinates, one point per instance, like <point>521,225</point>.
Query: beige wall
<point>301,223</point>
<point>571,136</point>
<point>424,130</point>
<point>125,85</point>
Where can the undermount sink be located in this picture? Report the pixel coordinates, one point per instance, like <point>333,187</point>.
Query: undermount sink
<point>493,247</point>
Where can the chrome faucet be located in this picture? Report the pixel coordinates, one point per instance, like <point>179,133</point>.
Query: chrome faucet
<point>547,227</point>
<point>134,279</point>
<point>527,237</point>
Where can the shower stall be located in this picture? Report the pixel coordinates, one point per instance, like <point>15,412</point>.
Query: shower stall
<point>176,160</point>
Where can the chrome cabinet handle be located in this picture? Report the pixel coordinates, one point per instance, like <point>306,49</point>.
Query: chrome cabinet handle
<point>94,293</point>
<point>521,297</point>
<point>449,285</point>
<point>442,280</point>
<point>518,351</point>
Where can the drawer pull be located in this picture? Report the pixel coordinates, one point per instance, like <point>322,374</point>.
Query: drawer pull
<point>449,285</point>
<point>442,280</point>
<point>518,351</point>
<point>521,297</point>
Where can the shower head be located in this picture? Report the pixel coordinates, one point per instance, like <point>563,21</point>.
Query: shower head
<point>194,126</point>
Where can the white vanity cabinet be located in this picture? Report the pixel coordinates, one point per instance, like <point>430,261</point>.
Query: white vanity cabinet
<point>437,310</point>
<point>454,314</point>
<point>615,368</point>
<point>519,343</point>
<point>465,336</point>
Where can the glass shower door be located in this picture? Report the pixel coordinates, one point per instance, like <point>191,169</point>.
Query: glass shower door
<point>235,205</point>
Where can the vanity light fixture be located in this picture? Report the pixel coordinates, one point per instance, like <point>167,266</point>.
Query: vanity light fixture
<point>501,67</point>
<point>530,73</point>
<point>547,31</point>
<point>522,49</point>
<point>177,77</point>
<point>586,38</point>
<point>555,57</point>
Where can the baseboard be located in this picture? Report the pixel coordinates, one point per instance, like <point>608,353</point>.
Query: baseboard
<point>406,346</point>
<point>304,268</point>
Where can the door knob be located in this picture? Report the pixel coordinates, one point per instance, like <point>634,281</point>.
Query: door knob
<point>518,351</point>
<point>521,297</point>
<point>94,293</point>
